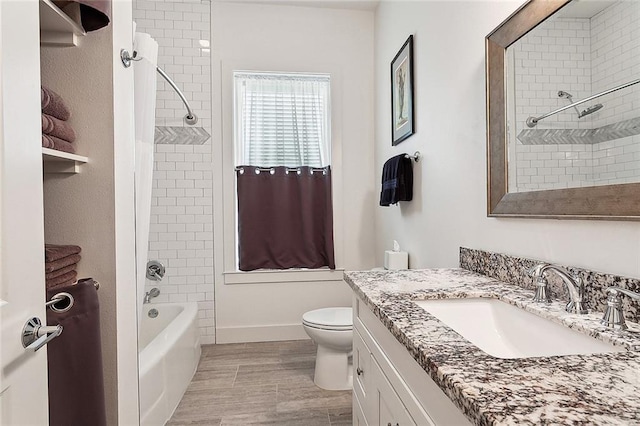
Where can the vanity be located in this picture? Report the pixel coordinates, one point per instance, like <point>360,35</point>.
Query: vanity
<point>410,368</point>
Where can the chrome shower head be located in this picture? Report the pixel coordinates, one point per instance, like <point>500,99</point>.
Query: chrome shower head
<point>590,110</point>
<point>563,94</point>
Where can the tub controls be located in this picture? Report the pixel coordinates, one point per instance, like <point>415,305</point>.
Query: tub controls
<point>155,270</point>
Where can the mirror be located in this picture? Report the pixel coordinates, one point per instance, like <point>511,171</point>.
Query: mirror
<point>563,111</point>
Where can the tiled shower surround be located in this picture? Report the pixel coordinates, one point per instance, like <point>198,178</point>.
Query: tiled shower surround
<point>181,233</point>
<point>513,270</point>
<point>583,57</point>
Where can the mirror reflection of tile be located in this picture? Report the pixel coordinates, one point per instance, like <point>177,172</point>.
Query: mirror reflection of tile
<point>576,53</point>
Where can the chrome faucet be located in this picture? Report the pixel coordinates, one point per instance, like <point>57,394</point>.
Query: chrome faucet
<point>613,315</point>
<point>572,282</point>
<point>154,292</point>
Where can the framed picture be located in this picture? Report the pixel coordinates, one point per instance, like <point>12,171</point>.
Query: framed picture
<point>402,93</point>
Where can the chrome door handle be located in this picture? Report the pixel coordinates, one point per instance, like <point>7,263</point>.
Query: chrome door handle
<point>35,335</point>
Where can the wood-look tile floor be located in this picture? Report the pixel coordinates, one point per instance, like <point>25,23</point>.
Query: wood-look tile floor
<point>268,383</point>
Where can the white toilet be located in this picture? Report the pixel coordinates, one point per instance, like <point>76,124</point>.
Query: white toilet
<point>332,330</point>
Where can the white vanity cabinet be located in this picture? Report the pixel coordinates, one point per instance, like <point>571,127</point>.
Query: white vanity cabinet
<point>389,387</point>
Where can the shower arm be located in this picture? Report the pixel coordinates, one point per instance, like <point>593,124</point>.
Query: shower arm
<point>191,119</point>
<point>532,121</point>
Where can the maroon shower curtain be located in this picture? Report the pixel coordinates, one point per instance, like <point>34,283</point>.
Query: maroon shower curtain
<point>285,218</point>
<point>76,385</point>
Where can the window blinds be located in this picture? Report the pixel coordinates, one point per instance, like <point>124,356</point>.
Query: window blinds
<point>282,119</point>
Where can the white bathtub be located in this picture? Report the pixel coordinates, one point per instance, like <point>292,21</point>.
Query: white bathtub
<point>169,348</point>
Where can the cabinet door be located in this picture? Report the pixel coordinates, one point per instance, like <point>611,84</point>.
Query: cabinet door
<point>358,415</point>
<point>389,409</point>
<point>362,375</point>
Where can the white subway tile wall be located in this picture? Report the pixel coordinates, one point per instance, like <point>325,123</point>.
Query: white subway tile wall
<point>615,53</point>
<point>583,57</point>
<point>181,234</point>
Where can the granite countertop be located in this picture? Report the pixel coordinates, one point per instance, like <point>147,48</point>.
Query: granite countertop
<point>573,389</point>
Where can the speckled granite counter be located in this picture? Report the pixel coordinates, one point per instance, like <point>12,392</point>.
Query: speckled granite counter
<point>576,389</point>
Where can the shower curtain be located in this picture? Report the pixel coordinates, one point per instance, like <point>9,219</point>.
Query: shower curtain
<point>145,116</point>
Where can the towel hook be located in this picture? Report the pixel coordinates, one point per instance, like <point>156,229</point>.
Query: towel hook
<point>415,157</point>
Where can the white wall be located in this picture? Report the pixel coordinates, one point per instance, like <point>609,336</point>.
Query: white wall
<point>295,39</point>
<point>449,206</point>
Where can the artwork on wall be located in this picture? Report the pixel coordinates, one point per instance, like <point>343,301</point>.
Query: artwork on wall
<point>402,93</point>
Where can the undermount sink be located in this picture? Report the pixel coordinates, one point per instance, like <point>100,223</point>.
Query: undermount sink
<point>506,331</point>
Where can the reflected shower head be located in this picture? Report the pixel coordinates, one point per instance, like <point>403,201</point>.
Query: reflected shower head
<point>590,110</point>
<point>563,94</point>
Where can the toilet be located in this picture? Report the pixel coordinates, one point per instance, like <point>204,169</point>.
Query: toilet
<point>332,330</point>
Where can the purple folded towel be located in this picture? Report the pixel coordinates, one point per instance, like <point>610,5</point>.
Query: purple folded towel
<point>57,144</point>
<point>54,127</point>
<point>62,279</point>
<point>60,272</point>
<point>61,263</point>
<point>53,104</point>
<point>58,251</point>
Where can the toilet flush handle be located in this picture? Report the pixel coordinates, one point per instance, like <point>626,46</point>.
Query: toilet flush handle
<point>359,371</point>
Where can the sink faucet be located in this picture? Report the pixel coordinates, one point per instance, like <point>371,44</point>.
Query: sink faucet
<point>613,315</point>
<point>572,282</point>
<point>154,292</point>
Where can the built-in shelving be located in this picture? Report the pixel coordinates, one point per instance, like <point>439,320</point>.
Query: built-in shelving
<point>61,162</point>
<point>56,28</point>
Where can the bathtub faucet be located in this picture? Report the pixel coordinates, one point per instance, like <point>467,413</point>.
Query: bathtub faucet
<point>154,292</point>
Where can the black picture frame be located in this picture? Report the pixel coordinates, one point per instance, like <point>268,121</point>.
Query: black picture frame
<point>402,111</point>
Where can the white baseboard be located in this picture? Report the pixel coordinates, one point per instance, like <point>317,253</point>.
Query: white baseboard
<point>261,333</point>
<point>207,340</point>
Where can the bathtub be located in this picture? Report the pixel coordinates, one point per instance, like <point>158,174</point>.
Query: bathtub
<point>169,347</point>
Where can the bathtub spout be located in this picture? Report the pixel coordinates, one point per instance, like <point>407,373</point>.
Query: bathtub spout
<point>154,292</point>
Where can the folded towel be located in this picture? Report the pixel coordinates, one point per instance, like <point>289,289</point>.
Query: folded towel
<point>69,276</point>
<point>53,104</point>
<point>94,14</point>
<point>55,127</point>
<point>62,271</point>
<point>61,263</point>
<point>58,144</point>
<point>397,180</point>
<point>58,251</point>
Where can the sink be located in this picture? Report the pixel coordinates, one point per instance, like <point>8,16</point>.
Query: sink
<point>506,331</point>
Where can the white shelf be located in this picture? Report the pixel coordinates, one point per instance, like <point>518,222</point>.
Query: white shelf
<point>56,28</point>
<point>61,162</point>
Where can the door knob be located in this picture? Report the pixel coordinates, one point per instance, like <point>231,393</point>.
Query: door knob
<point>35,335</point>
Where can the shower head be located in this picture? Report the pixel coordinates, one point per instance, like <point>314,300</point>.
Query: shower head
<point>590,110</point>
<point>563,94</point>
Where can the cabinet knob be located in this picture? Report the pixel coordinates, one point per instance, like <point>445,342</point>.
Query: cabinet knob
<point>359,372</point>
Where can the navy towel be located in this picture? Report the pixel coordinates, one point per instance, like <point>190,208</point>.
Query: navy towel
<point>397,180</point>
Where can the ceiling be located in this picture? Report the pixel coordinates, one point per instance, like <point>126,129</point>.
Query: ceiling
<point>584,8</point>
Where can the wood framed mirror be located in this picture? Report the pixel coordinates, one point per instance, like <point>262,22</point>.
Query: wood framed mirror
<point>607,189</point>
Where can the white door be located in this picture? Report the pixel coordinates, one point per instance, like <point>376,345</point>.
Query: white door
<point>23,373</point>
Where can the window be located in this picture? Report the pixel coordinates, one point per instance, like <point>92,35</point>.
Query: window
<point>282,119</point>
<point>282,136</point>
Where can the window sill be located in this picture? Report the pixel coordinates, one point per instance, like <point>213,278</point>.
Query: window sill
<point>295,275</point>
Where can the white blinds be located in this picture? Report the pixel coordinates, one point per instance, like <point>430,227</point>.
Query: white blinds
<point>282,119</point>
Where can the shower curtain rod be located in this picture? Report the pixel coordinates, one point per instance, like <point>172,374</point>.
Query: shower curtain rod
<point>191,119</point>
<point>532,121</point>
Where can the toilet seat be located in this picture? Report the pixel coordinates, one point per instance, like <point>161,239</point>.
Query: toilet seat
<point>336,319</point>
